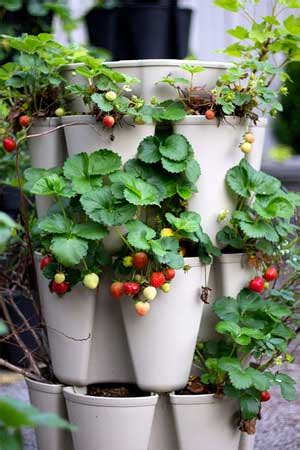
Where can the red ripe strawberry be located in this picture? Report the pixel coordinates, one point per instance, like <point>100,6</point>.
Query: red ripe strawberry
<point>60,288</point>
<point>140,260</point>
<point>24,121</point>
<point>210,114</point>
<point>116,289</point>
<point>9,144</point>
<point>265,396</point>
<point>157,279</point>
<point>131,288</point>
<point>257,284</point>
<point>45,261</point>
<point>108,121</point>
<point>271,274</point>
<point>169,274</point>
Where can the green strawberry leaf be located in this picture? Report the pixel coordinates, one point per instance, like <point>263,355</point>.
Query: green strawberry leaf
<point>138,192</point>
<point>102,207</point>
<point>248,300</point>
<point>228,327</point>
<point>52,185</point>
<point>148,150</point>
<point>259,229</point>
<point>250,407</point>
<point>102,103</point>
<point>139,235</point>
<point>69,250</point>
<point>56,224</point>
<point>175,148</point>
<point>104,162</point>
<point>90,230</point>
<point>188,221</point>
<point>240,378</point>
<point>227,309</point>
<point>170,110</point>
<point>192,171</point>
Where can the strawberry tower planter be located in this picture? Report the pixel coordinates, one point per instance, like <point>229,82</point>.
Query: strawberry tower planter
<point>159,201</point>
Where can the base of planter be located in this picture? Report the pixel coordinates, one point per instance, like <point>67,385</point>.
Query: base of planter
<point>110,423</point>
<point>49,398</point>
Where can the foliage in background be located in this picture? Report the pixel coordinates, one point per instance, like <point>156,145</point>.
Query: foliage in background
<point>286,126</point>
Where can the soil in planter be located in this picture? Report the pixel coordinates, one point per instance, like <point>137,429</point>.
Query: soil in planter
<point>115,390</point>
<point>195,387</point>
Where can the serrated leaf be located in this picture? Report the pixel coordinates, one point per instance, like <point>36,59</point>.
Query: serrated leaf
<point>148,150</point>
<point>90,230</point>
<point>102,103</point>
<point>173,166</point>
<point>259,229</point>
<point>249,301</point>
<point>229,237</point>
<point>227,308</point>
<point>288,392</point>
<point>229,5</point>
<point>69,250</point>
<point>139,235</point>
<point>192,171</point>
<point>186,190</point>
<point>55,224</point>
<point>226,363</point>
<point>260,381</point>
<point>277,206</point>
<point>292,24</point>
<point>175,148</point>
<point>138,192</point>
<point>277,310</point>
<point>238,32</point>
<point>52,185</point>
<point>102,207</point>
<point>170,110</point>
<point>240,378</point>
<point>250,407</point>
<point>228,327</point>
<point>104,162</point>
<point>188,221</point>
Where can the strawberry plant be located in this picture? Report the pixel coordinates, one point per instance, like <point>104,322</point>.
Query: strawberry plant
<point>254,331</point>
<point>261,224</point>
<point>246,88</point>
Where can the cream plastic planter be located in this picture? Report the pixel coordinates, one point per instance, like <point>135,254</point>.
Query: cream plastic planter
<point>205,422</point>
<point>46,152</point>
<point>76,104</point>
<point>88,135</point>
<point>86,334</point>
<point>229,274</point>
<point>247,441</point>
<point>110,423</point>
<point>49,398</point>
<point>150,71</point>
<point>162,343</point>
<point>217,150</point>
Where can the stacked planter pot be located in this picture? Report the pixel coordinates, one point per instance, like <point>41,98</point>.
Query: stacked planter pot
<point>46,151</point>
<point>94,339</point>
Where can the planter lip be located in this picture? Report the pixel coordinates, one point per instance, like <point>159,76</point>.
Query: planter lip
<point>229,258</point>
<point>44,387</point>
<point>203,399</point>
<point>84,118</point>
<point>194,261</point>
<point>120,402</point>
<point>167,62</point>
<point>230,121</point>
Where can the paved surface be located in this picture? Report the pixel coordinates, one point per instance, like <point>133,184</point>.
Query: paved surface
<point>279,428</point>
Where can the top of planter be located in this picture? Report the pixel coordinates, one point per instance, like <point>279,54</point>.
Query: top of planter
<point>167,62</point>
<point>44,387</point>
<point>195,399</point>
<point>229,121</point>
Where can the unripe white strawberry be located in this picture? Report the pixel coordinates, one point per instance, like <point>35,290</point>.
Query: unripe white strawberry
<point>59,278</point>
<point>91,281</point>
<point>166,287</point>
<point>110,96</point>
<point>246,147</point>
<point>150,293</point>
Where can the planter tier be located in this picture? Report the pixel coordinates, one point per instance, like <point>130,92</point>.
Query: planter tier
<point>46,152</point>
<point>162,343</point>
<point>75,103</point>
<point>88,135</point>
<point>205,422</point>
<point>110,423</point>
<point>150,71</point>
<point>86,334</point>
<point>229,274</point>
<point>49,398</point>
<point>217,150</point>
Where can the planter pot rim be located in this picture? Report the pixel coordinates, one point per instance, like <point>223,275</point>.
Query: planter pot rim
<point>44,387</point>
<point>84,118</point>
<point>126,402</point>
<point>195,399</point>
<point>230,121</point>
<point>229,258</point>
<point>46,122</point>
<point>167,62</point>
<point>194,261</point>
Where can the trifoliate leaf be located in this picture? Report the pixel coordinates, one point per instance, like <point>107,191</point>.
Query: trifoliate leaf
<point>69,250</point>
<point>259,229</point>
<point>248,300</point>
<point>52,185</point>
<point>188,221</point>
<point>276,206</point>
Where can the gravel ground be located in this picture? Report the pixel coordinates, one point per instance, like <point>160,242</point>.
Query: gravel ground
<point>279,428</point>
